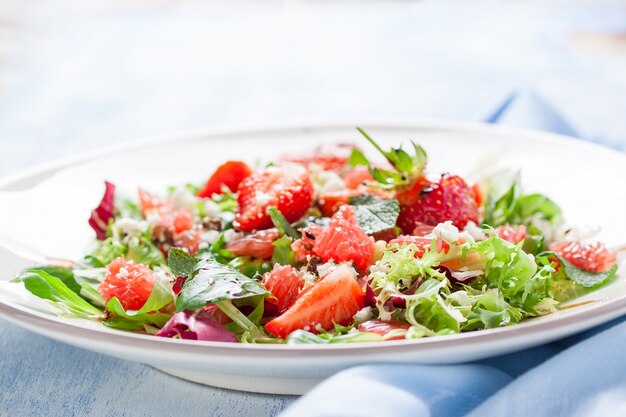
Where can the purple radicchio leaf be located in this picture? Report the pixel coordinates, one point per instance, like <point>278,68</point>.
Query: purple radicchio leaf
<point>196,325</point>
<point>101,215</point>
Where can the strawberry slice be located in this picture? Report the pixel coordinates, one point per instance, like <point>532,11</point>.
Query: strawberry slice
<point>450,198</point>
<point>593,257</point>
<point>336,298</point>
<point>229,174</point>
<point>284,283</point>
<point>288,188</point>
<point>382,327</point>
<point>345,241</point>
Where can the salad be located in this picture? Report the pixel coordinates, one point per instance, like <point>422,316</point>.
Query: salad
<point>324,247</point>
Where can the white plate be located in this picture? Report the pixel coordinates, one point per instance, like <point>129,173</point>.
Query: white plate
<point>47,208</point>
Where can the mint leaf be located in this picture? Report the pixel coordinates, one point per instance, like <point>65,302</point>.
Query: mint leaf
<point>148,315</point>
<point>375,214</point>
<point>180,262</point>
<point>48,287</point>
<point>212,282</point>
<point>282,224</point>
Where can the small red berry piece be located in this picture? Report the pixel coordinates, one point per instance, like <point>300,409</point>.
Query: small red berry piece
<point>344,241</point>
<point>229,175</point>
<point>593,257</point>
<point>450,198</point>
<point>336,298</point>
<point>288,188</point>
<point>285,284</point>
<point>129,282</point>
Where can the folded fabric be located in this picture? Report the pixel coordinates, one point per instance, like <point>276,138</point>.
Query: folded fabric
<point>579,376</point>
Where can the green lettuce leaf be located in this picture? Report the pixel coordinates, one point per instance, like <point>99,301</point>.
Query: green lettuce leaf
<point>149,315</point>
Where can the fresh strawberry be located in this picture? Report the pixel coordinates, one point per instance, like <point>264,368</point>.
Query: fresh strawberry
<point>284,283</point>
<point>382,327</point>
<point>344,241</point>
<point>330,157</point>
<point>336,298</point>
<point>510,234</point>
<point>229,175</point>
<point>259,245</point>
<point>129,282</point>
<point>450,198</point>
<point>593,257</point>
<point>288,188</point>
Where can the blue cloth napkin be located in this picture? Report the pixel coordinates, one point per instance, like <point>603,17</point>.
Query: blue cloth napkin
<point>584,375</point>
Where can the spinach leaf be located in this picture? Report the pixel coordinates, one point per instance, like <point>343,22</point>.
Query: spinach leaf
<point>375,214</point>
<point>180,262</point>
<point>212,282</point>
<point>46,286</point>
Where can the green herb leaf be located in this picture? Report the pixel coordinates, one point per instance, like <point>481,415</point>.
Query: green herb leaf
<point>180,262</point>
<point>66,275</point>
<point>46,286</point>
<point>283,254</point>
<point>148,315</point>
<point>282,224</point>
<point>375,214</point>
<point>212,282</point>
<point>357,158</point>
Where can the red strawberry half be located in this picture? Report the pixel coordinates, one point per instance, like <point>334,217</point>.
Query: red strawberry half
<point>450,198</point>
<point>229,175</point>
<point>288,188</point>
<point>336,298</point>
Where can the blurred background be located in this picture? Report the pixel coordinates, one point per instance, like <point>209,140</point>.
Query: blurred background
<point>78,75</point>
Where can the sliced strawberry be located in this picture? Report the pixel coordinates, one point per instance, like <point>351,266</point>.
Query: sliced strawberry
<point>344,241</point>
<point>330,157</point>
<point>382,327</point>
<point>284,283</point>
<point>129,282</point>
<point>229,175</point>
<point>336,298</point>
<point>510,234</point>
<point>288,188</point>
<point>593,257</point>
<point>259,245</point>
<point>450,198</point>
